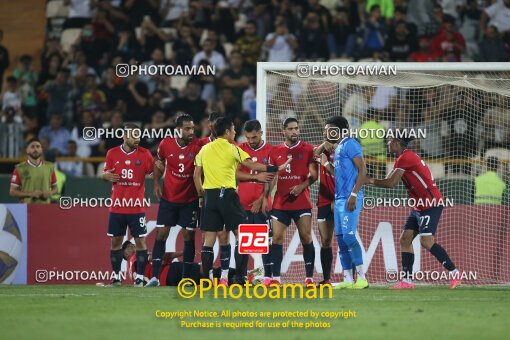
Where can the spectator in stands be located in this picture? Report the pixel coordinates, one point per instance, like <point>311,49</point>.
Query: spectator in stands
<point>106,143</point>
<point>139,11</point>
<point>374,147</point>
<point>433,27</point>
<point>216,41</point>
<point>113,90</point>
<point>207,83</point>
<point>489,187</point>
<point>185,46</point>
<point>387,8</point>
<point>462,118</point>
<point>151,37</point>
<point>125,44</point>
<point>236,77</point>
<point>93,98</point>
<point>249,101</point>
<point>85,148</point>
<point>50,72</point>
<point>432,119</point>
<point>96,38</point>
<point>11,134</point>
<point>449,44</point>
<point>313,39</point>
<point>250,45</point>
<point>73,168</point>
<point>498,15</point>
<point>136,96</point>
<point>80,13</point>
<point>372,34</point>
<point>401,15</point>
<point>152,82</point>
<point>496,124</point>
<point>4,60</point>
<point>281,43</point>
<point>59,96</point>
<point>57,135</point>
<point>425,53</point>
<point>341,34</point>
<point>27,80</point>
<point>158,121</point>
<point>324,15</point>
<point>357,106</point>
<point>208,53</point>
<point>171,11</point>
<point>80,61</point>
<point>230,106</point>
<point>401,44</point>
<point>223,20</point>
<point>10,97</point>
<point>492,48</point>
<point>191,103</point>
<point>114,12</point>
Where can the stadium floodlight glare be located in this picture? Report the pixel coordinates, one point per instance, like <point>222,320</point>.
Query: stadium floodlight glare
<point>464,109</point>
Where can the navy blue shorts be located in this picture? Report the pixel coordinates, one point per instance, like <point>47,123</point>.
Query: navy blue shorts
<point>287,216</point>
<point>259,218</point>
<point>425,222</point>
<point>325,213</point>
<point>184,215</point>
<point>118,223</point>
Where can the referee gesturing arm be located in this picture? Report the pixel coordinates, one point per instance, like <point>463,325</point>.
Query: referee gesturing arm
<point>218,162</point>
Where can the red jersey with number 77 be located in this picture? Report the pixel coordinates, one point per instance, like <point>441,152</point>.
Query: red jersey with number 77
<point>132,167</point>
<point>295,173</point>
<point>418,180</point>
<point>178,186</point>
<point>249,192</point>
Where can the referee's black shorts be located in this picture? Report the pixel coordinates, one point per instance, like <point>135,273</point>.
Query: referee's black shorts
<point>221,211</point>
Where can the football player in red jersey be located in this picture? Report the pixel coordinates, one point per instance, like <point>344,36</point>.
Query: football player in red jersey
<point>251,186</point>
<point>326,200</point>
<point>178,205</point>
<point>126,167</point>
<point>424,218</point>
<point>292,198</point>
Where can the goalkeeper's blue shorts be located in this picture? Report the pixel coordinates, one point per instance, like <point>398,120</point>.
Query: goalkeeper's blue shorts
<point>346,221</point>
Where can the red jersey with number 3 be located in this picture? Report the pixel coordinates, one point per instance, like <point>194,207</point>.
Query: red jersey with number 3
<point>178,186</point>
<point>132,167</point>
<point>251,191</point>
<point>295,173</point>
<point>418,180</point>
<point>326,183</point>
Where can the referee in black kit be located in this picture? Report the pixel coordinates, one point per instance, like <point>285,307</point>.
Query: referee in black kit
<point>218,162</point>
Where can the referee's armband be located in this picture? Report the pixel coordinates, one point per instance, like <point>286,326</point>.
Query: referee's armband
<point>272,168</point>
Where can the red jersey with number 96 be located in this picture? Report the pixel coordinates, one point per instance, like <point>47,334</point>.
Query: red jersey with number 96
<point>178,186</point>
<point>132,167</point>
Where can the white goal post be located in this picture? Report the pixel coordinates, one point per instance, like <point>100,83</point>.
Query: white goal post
<point>465,109</point>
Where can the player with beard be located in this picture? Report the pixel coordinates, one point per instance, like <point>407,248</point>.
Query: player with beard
<point>292,198</point>
<point>34,181</point>
<point>179,200</point>
<point>126,167</point>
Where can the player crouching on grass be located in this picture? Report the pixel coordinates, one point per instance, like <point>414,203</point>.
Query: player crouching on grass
<point>424,218</point>
<point>171,272</point>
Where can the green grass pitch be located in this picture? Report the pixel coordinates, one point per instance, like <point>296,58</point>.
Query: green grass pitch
<point>89,312</point>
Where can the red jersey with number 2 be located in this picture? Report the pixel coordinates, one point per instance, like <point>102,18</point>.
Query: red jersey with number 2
<point>132,167</point>
<point>178,186</point>
<point>295,173</point>
<point>418,180</point>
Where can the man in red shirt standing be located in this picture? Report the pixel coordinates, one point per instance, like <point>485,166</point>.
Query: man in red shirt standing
<point>178,205</point>
<point>449,44</point>
<point>126,167</point>
<point>251,186</point>
<point>424,218</point>
<point>292,198</point>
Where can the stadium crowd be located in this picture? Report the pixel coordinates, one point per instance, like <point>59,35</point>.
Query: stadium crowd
<point>76,86</point>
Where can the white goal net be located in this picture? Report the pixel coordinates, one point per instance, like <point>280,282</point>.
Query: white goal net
<point>464,111</point>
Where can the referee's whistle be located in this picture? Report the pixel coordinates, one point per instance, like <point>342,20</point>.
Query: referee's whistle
<point>222,192</point>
